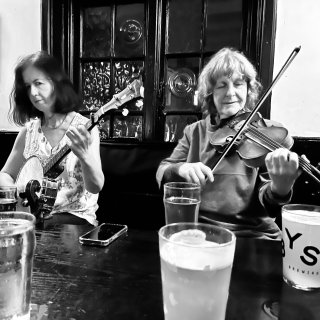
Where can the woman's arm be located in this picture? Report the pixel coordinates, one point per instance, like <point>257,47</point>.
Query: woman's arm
<point>15,160</point>
<point>86,147</point>
<point>176,167</point>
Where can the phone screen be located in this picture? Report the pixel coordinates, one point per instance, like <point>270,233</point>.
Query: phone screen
<point>103,232</point>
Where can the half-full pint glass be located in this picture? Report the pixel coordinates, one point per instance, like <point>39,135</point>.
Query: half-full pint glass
<point>17,243</point>
<point>181,201</point>
<point>196,262</point>
<point>8,198</point>
<point>301,246</point>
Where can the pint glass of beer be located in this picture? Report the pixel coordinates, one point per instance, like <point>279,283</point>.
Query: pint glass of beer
<point>8,198</point>
<point>181,201</point>
<point>17,243</point>
<point>196,262</point>
<point>301,246</point>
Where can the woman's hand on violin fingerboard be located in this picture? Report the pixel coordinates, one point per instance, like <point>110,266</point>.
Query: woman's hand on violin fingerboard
<point>196,172</point>
<point>283,169</point>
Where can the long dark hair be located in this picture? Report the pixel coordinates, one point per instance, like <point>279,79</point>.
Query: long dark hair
<point>21,108</point>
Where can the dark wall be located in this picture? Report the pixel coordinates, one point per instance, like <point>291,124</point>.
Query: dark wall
<point>306,190</point>
<point>7,140</point>
<point>131,195</point>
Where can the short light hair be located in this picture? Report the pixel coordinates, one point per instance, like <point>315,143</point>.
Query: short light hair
<point>224,63</point>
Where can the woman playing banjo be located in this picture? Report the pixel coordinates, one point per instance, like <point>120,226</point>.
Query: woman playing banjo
<point>44,102</point>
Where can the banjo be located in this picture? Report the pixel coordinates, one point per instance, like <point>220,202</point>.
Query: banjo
<point>37,183</point>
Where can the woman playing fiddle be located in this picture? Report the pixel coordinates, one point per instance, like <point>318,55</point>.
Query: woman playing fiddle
<point>235,195</point>
<point>44,102</point>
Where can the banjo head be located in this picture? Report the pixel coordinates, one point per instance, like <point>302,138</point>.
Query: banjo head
<point>31,170</point>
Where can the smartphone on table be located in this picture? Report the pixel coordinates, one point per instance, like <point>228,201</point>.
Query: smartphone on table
<point>103,235</point>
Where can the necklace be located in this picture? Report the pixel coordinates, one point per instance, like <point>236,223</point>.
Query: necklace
<point>59,125</point>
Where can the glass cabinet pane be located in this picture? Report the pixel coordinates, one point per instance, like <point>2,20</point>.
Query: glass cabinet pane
<point>181,84</point>
<point>96,32</point>
<point>127,127</point>
<point>95,84</point>
<point>184,20</point>
<point>104,128</point>
<point>175,125</point>
<point>129,30</point>
<point>224,24</point>
<point>125,72</point>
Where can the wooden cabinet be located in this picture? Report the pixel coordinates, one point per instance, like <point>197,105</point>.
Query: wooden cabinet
<point>105,44</point>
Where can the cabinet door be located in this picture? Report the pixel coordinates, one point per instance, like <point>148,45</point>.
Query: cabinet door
<point>105,44</point>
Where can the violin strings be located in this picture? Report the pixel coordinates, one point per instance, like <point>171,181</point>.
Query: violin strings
<point>272,145</point>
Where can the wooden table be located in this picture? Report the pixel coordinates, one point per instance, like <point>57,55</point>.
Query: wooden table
<point>123,281</point>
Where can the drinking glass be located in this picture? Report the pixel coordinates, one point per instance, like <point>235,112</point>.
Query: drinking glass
<point>301,246</point>
<point>17,243</point>
<point>181,201</point>
<point>8,198</point>
<point>196,262</point>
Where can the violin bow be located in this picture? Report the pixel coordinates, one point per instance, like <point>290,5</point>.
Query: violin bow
<point>257,107</point>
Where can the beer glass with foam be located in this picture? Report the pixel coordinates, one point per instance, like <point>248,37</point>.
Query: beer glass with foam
<point>17,243</point>
<point>196,262</point>
<point>301,246</point>
<point>181,201</point>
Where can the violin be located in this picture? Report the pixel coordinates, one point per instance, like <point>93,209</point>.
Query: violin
<point>258,138</point>
<point>254,138</point>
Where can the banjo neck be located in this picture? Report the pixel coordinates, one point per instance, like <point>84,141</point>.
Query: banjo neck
<point>130,92</point>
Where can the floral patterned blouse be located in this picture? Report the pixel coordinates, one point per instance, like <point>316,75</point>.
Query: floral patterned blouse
<point>72,196</point>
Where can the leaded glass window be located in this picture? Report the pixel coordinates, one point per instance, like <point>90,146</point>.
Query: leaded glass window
<point>112,55</point>
<point>116,38</point>
<point>190,40</point>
